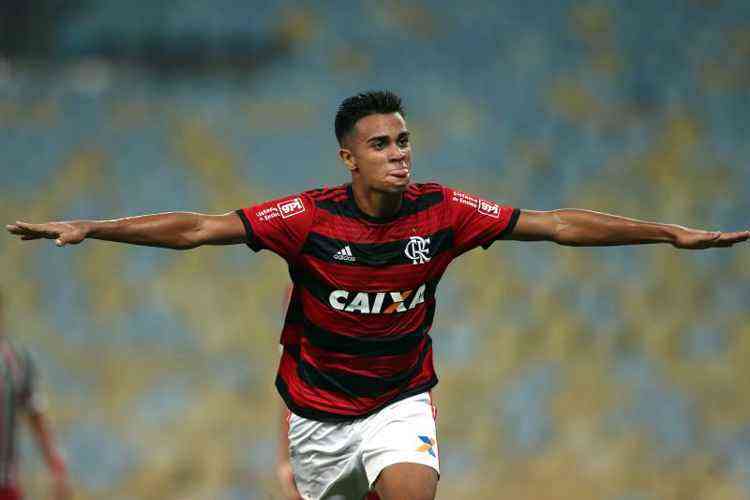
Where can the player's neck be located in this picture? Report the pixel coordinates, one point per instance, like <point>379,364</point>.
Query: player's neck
<point>376,203</point>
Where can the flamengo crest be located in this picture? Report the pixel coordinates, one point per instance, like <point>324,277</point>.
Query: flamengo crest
<point>418,249</point>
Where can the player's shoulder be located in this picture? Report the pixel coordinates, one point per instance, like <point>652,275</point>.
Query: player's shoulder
<point>419,189</point>
<point>305,201</point>
<point>326,193</point>
<point>425,187</point>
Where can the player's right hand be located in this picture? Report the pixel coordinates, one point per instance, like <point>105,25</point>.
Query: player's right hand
<point>64,233</point>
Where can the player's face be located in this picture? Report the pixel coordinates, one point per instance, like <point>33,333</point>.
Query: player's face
<point>378,153</point>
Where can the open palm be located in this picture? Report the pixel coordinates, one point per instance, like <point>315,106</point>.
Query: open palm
<point>693,239</point>
<point>64,233</point>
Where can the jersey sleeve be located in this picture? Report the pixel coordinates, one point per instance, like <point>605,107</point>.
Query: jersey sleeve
<point>280,225</point>
<point>476,221</point>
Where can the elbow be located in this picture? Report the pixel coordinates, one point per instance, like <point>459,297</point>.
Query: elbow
<point>186,243</point>
<point>192,237</point>
<point>564,240</point>
<point>562,231</point>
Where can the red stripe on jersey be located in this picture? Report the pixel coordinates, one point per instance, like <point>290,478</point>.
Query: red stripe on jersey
<point>312,402</point>
<point>291,334</point>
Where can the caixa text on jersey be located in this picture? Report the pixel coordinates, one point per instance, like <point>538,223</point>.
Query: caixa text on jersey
<point>377,302</point>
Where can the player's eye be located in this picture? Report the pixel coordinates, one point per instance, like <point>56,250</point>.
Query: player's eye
<point>403,141</point>
<point>379,144</point>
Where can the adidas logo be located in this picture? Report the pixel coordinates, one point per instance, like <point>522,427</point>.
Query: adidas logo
<point>345,254</point>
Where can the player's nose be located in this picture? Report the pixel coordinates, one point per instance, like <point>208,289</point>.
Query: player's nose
<point>397,155</point>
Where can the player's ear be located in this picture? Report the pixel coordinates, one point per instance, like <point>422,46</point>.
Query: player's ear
<point>348,158</point>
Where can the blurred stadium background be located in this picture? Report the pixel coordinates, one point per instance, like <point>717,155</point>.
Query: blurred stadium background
<point>607,374</point>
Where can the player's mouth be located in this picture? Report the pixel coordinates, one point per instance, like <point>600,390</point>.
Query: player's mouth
<point>402,171</point>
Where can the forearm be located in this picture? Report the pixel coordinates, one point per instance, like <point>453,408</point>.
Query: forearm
<point>45,442</point>
<point>576,227</point>
<point>178,230</point>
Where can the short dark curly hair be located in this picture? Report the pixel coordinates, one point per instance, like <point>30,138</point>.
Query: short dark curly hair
<point>354,108</point>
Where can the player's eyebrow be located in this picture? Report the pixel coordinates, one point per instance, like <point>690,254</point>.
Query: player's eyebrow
<point>385,137</point>
<point>376,138</point>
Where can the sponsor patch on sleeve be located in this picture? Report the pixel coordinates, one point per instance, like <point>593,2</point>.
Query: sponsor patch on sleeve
<point>465,199</point>
<point>290,208</point>
<point>489,208</point>
<point>484,207</point>
<point>267,214</point>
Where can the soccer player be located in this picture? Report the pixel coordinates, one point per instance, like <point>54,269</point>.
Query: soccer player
<point>365,259</point>
<point>18,397</point>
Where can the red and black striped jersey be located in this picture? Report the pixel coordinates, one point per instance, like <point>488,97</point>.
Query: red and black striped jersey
<point>356,333</point>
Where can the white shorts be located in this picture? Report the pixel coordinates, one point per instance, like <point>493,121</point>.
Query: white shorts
<point>341,461</point>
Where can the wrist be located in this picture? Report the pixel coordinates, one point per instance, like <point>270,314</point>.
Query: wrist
<point>672,233</point>
<point>87,227</point>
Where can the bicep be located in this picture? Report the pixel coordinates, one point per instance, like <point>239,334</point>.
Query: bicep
<point>226,229</point>
<point>534,225</point>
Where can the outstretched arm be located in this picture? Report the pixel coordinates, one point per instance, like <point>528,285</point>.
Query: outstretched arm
<point>178,230</point>
<point>52,457</point>
<point>575,227</point>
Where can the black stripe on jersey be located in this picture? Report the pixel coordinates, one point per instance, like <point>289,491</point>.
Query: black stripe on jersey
<point>373,254</point>
<point>294,312</point>
<point>367,346</point>
<point>508,229</point>
<point>324,416</point>
<point>359,385</point>
<point>409,206</point>
<point>251,240</point>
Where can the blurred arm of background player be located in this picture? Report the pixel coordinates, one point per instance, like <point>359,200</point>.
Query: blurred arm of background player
<point>283,465</point>
<point>55,463</point>
<point>177,230</point>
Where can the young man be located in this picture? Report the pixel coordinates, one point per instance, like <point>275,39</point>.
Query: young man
<point>18,397</point>
<point>365,259</point>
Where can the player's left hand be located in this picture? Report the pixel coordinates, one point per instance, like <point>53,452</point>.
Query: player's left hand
<point>64,233</point>
<point>693,239</point>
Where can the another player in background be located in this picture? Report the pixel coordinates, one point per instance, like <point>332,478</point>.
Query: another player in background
<point>18,396</point>
<point>365,259</point>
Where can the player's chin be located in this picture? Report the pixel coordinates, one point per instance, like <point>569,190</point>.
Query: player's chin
<point>397,189</point>
<point>396,184</point>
